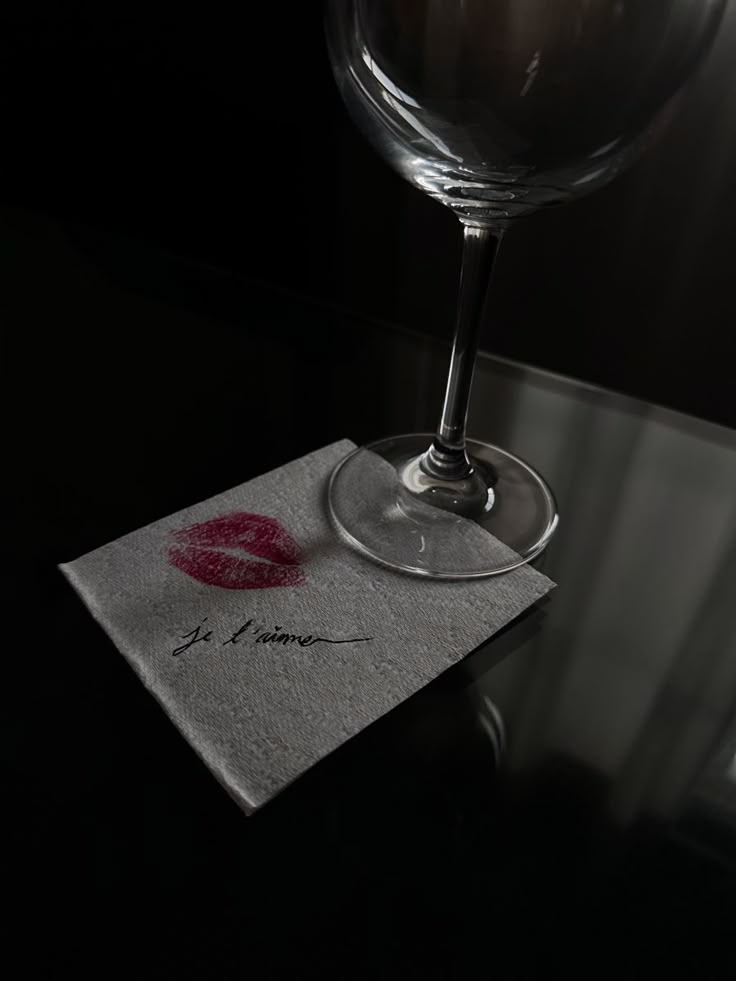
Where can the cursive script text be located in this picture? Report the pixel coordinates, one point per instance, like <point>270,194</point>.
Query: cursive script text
<point>251,631</point>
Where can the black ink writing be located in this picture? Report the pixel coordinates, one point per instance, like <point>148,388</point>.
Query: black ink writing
<point>276,636</point>
<point>238,633</point>
<point>196,639</point>
<point>303,640</point>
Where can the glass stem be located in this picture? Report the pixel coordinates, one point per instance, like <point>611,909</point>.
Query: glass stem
<point>446,459</point>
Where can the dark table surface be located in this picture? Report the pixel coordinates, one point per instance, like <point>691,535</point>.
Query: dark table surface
<point>602,844</point>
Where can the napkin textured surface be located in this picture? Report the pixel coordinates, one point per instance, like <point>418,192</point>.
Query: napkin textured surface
<point>262,704</point>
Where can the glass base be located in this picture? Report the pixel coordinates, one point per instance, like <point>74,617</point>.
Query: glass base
<point>386,506</point>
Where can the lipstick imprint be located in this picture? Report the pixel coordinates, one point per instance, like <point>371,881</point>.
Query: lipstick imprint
<point>214,552</point>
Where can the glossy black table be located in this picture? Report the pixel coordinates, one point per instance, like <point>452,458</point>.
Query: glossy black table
<point>599,841</point>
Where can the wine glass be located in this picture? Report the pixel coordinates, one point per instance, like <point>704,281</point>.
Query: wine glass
<point>495,108</point>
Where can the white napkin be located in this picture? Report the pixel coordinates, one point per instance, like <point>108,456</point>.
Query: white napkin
<point>268,641</point>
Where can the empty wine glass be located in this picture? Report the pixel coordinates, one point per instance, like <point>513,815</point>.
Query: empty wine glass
<point>495,108</point>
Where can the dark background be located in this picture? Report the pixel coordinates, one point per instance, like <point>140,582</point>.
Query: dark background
<point>217,135</point>
<point>162,147</point>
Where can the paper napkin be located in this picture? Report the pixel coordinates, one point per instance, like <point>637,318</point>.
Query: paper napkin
<point>267,640</point>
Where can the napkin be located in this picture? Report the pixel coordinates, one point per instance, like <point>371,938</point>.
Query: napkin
<point>268,641</point>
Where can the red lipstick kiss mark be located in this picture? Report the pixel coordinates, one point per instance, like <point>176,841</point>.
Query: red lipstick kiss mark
<point>212,552</point>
